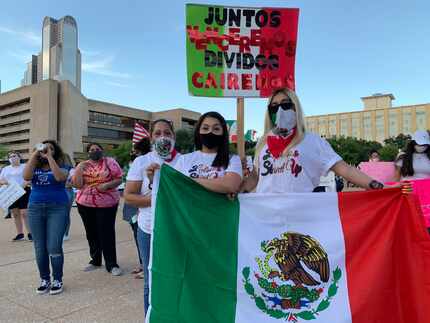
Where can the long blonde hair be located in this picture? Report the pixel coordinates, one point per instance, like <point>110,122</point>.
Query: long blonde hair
<point>269,125</point>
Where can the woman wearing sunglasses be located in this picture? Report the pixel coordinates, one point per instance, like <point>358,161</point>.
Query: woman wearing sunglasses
<point>289,159</point>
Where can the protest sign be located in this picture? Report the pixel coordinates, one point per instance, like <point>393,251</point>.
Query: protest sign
<point>381,171</point>
<point>9,194</point>
<point>240,52</point>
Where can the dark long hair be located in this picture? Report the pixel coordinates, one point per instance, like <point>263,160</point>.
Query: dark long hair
<point>168,122</point>
<point>58,153</point>
<point>407,158</point>
<point>222,158</point>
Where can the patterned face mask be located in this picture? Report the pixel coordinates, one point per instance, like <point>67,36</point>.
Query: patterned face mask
<point>164,146</point>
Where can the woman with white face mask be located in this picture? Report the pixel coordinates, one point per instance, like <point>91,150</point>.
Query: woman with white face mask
<point>414,163</point>
<point>14,173</point>
<point>138,187</point>
<point>290,159</point>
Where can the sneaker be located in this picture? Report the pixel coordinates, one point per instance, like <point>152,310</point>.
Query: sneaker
<point>56,287</point>
<point>30,237</point>
<point>116,271</point>
<point>44,286</point>
<point>90,267</point>
<point>8,216</point>
<point>19,237</point>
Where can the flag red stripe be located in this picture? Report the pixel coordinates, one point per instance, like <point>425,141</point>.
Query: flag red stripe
<point>387,255</point>
<point>286,53</point>
<point>139,133</point>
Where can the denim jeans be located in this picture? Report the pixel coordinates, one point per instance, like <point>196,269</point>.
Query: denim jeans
<point>144,240</point>
<point>48,223</point>
<point>71,196</point>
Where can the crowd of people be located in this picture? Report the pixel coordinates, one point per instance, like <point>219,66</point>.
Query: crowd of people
<point>287,159</point>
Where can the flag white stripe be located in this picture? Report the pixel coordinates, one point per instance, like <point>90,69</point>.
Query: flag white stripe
<point>277,215</point>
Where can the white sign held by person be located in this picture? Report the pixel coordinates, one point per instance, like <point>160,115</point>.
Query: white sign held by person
<point>9,194</point>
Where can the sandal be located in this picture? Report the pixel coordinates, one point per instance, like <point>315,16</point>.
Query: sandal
<point>139,275</point>
<point>137,270</point>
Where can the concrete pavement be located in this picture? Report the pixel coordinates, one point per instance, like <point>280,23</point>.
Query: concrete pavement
<point>88,297</point>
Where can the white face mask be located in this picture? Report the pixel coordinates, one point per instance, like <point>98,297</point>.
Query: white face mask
<point>286,119</point>
<point>420,148</point>
<point>164,146</point>
<point>14,160</point>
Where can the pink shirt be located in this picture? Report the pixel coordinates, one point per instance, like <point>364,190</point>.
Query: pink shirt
<point>97,173</point>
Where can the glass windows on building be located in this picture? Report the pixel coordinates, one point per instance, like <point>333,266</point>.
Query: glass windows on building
<point>421,118</point>
<point>113,120</point>
<point>367,125</point>
<point>109,133</point>
<point>355,125</point>
<point>311,125</point>
<point>332,127</point>
<point>68,64</point>
<point>380,125</point>
<point>322,126</point>
<point>407,121</point>
<point>344,120</point>
<point>393,123</point>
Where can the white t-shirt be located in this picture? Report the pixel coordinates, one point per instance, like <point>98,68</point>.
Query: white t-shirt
<point>137,172</point>
<point>421,165</point>
<point>199,165</point>
<point>300,171</point>
<point>13,174</point>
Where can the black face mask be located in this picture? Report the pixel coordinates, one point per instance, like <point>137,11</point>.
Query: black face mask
<point>211,140</point>
<point>95,155</point>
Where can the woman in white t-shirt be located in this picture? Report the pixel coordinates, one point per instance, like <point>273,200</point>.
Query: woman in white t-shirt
<point>14,173</point>
<point>415,162</point>
<point>211,164</point>
<point>289,159</point>
<point>138,187</point>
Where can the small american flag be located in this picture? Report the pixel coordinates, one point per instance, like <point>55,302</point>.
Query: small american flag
<point>139,133</point>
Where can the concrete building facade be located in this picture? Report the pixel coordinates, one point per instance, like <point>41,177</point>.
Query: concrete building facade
<point>378,120</point>
<point>57,110</point>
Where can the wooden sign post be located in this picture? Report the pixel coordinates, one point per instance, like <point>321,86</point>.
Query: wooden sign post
<point>240,127</point>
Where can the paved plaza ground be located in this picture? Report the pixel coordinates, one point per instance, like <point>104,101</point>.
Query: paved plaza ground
<point>87,297</point>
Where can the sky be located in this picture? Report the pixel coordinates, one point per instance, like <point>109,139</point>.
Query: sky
<point>133,52</point>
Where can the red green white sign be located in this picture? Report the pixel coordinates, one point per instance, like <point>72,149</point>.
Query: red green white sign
<point>238,51</point>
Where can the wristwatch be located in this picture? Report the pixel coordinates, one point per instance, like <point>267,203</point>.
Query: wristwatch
<point>375,185</point>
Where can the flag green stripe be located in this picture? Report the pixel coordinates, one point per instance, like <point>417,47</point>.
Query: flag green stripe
<point>194,257</point>
<point>195,16</point>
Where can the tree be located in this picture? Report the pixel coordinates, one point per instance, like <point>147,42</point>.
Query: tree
<point>400,141</point>
<point>353,150</point>
<point>389,152</point>
<point>184,141</point>
<point>121,153</point>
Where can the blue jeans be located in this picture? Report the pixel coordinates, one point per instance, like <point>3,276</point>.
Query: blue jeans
<point>48,223</point>
<point>144,240</point>
<point>71,196</point>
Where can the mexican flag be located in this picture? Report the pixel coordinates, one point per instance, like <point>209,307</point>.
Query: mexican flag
<point>240,51</point>
<point>359,257</point>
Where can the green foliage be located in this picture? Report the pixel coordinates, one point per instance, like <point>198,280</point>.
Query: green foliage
<point>121,153</point>
<point>389,152</point>
<point>400,141</point>
<point>3,152</point>
<point>184,141</point>
<point>353,150</point>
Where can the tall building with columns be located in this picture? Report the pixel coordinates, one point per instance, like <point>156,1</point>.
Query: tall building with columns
<point>378,120</point>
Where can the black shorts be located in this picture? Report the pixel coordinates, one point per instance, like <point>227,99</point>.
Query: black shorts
<point>22,202</point>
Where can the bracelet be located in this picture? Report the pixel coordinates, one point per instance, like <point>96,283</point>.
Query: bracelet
<point>375,185</point>
<point>150,186</point>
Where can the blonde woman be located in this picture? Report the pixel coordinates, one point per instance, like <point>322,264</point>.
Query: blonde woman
<point>290,159</point>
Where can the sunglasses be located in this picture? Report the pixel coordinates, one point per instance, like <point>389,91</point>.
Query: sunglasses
<point>273,108</point>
